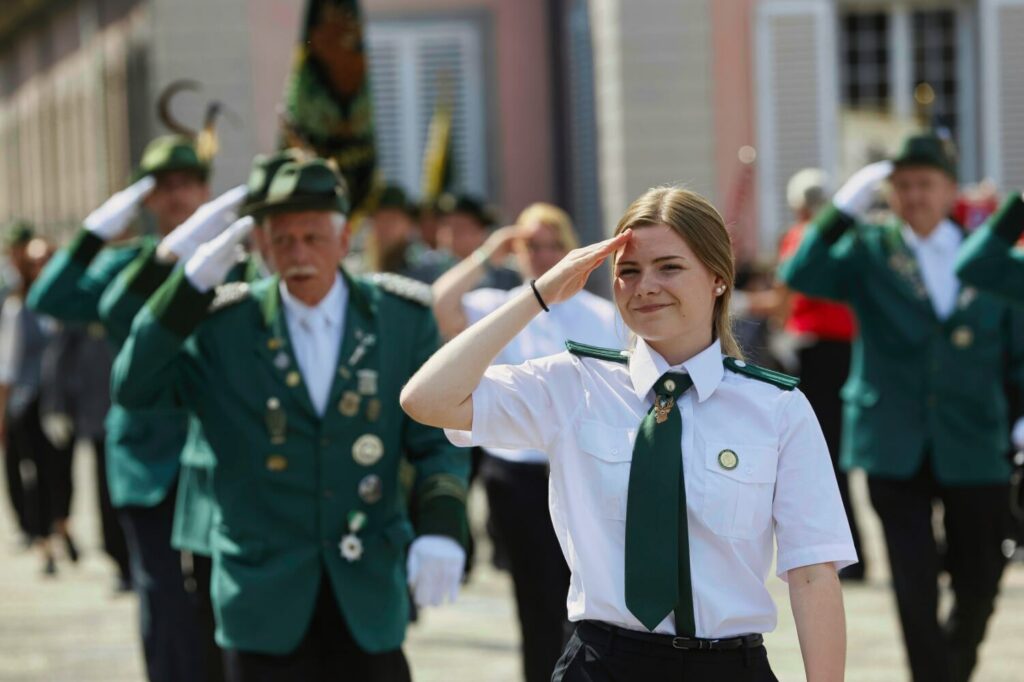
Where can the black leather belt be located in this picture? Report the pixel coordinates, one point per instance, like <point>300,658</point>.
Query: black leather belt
<point>593,628</point>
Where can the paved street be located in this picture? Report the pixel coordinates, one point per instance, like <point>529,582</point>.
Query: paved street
<point>72,628</point>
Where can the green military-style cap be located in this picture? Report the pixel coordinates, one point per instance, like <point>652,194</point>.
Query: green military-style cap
<point>171,153</point>
<point>264,167</point>
<point>463,203</point>
<point>305,186</point>
<point>18,233</point>
<point>394,197</point>
<point>929,150</point>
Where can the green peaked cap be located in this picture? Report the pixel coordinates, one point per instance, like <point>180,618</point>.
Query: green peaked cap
<point>929,150</point>
<point>264,167</point>
<point>394,197</point>
<point>305,186</point>
<point>18,233</point>
<point>171,153</point>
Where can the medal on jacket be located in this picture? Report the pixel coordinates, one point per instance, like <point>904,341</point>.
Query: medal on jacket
<point>277,421</point>
<point>351,547</point>
<point>366,381</point>
<point>662,406</point>
<point>365,341</point>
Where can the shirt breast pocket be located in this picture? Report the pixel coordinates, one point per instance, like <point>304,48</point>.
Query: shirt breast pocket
<point>605,476</point>
<point>739,488</point>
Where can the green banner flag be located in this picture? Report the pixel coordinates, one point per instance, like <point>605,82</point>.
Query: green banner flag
<point>328,106</point>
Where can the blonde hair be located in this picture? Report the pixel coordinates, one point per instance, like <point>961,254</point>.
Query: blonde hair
<point>553,217</point>
<point>694,219</point>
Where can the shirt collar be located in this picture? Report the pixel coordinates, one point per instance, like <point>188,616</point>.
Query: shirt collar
<point>945,237</point>
<point>705,369</point>
<point>330,308</point>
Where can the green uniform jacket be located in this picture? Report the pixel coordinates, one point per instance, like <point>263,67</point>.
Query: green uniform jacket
<point>917,384</point>
<point>193,508</point>
<point>143,446</point>
<point>288,480</point>
<point>988,260</point>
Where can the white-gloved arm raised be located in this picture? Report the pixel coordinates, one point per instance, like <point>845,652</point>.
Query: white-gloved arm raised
<point>212,261</point>
<point>207,222</point>
<point>111,219</point>
<point>855,196</point>
<point>435,569</point>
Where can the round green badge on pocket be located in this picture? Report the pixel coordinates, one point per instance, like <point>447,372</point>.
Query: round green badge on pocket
<point>728,460</point>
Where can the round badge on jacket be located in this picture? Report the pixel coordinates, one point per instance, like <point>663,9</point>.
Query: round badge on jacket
<point>368,449</point>
<point>728,460</point>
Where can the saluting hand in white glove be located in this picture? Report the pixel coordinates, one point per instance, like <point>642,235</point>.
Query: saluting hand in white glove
<point>212,261</point>
<point>435,569</point>
<point>207,222</point>
<point>111,219</point>
<point>855,196</point>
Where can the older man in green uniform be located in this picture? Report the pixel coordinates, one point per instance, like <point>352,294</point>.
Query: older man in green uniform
<point>310,525</point>
<point>143,446</point>
<point>924,409</point>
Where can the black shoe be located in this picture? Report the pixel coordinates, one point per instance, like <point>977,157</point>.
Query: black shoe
<point>50,567</point>
<point>71,548</point>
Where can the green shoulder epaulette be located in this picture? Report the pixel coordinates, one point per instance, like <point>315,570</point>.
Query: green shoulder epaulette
<point>228,295</point>
<point>610,354</point>
<point>778,379</point>
<point>403,287</point>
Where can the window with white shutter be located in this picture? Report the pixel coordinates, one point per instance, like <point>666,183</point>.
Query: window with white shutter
<point>797,100</point>
<point>1002,25</point>
<point>411,61</point>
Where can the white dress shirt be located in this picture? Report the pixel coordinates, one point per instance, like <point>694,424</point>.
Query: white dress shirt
<point>585,412</point>
<point>936,257</point>
<point>584,318</point>
<point>316,334</point>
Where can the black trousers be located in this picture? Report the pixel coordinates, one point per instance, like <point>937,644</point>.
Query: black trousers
<point>45,472</point>
<point>975,520</point>
<point>114,543</point>
<point>517,495</point>
<point>15,490</point>
<point>594,655</point>
<point>327,653</point>
<point>200,573</point>
<point>167,617</point>
<point>824,367</point>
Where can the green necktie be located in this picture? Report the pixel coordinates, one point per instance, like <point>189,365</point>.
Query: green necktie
<point>657,540</point>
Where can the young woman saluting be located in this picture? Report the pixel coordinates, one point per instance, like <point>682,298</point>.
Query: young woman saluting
<point>673,466</point>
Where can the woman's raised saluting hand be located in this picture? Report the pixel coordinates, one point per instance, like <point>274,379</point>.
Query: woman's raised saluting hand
<point>565,280</point>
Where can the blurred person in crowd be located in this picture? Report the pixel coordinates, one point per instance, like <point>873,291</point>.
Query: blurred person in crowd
<point>143,447</point>
<point>396,245</point>
<point>464,224</point>
<point>516,481</point>
<point>45,472</point>
<point>16,237</point>
<point>74,402</point>
<point>822,331</point>
<point>308,555</point>
<point>925,413</point>
<point>428,214</point>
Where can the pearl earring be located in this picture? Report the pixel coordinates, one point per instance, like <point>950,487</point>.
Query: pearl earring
<point>720,290</point>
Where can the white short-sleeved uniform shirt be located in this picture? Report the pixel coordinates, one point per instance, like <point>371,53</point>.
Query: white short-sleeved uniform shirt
<point>584,318</point>
<point>585,412</point>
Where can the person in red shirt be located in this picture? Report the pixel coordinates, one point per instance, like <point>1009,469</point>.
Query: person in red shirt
<point>823,330</point>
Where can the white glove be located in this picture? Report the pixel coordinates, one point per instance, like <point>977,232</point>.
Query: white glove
<point>111,219</point>
<point>435,569</point>
<point>207,222</point>
<point>1018,433</point>
<point>58,429</point>
<point>212,261</point>
<point>854,198</point>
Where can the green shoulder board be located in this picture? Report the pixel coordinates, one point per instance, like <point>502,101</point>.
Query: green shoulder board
<point>783,381</point>
<point>228,295</point>
<point>610,354</point>
<point>403,287</point>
